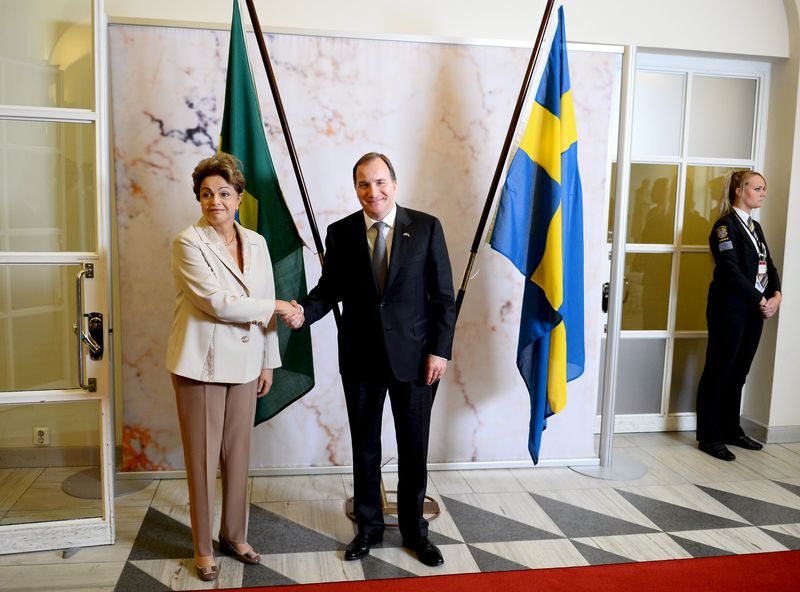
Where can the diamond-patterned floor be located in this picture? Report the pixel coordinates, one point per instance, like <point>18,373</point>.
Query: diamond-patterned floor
<point>491,521</point>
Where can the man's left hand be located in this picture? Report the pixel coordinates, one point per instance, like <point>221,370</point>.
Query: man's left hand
<point>435,368</point>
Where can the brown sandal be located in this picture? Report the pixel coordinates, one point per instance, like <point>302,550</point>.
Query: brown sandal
<point>226,547</point>
<point>207,573</point>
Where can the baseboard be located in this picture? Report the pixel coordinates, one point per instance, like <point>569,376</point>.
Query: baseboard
<point>50,456</point>
<point>387,468</point>
<point>770,435</point>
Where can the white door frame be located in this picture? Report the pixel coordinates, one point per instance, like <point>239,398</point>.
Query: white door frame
<point>16,538</point>
<point>689,66</point>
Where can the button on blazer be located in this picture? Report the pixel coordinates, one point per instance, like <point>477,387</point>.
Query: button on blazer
<point>223,327</point>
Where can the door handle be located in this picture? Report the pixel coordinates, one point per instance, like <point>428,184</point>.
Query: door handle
<point>87,384</point>
<point>95,341</point>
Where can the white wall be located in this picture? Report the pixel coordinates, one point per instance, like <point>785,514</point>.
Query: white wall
<point>744,27</point>
<point>779,407</point>
<point>762,28</point>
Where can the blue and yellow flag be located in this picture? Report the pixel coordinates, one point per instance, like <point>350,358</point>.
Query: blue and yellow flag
<point>539,227</point>
<point>264,210</point>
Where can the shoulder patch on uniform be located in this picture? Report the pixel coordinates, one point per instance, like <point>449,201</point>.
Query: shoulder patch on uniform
<point>725,245</point>
<point>722,232</point>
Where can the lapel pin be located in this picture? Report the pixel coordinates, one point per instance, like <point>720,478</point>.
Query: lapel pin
<point>406,235</point>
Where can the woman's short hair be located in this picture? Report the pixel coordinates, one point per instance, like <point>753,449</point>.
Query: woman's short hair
<point>734,180</point>
<point>372,156</point>
<point>223,164</point>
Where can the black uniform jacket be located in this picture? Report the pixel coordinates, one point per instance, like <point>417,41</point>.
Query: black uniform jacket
<point>415,315</point>
<point>736,267</point>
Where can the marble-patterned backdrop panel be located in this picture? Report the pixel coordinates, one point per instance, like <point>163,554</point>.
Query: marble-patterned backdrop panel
<point>441,113</point>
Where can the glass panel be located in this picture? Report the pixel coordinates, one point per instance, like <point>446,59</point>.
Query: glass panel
<point>639,375</point>
<point>42,447</point>
<point>37,343</point>
<point>46,53</point>
<point>646,301</point>
<point>722,116</point>
<point>693,280</point>
<point>651,209</point>
<point>47,186</point>
<point>703,193</point>
<point>687,364</point>
<point>657,114</point>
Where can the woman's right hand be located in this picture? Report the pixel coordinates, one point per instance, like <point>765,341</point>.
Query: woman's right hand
<point>283,308</point>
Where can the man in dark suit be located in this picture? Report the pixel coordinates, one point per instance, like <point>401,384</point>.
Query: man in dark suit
<point>388,266</point>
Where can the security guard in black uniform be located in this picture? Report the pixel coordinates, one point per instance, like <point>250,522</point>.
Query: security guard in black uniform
<point>745,290</point>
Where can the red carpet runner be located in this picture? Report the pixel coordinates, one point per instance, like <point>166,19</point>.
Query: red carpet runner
<point>773,572</point>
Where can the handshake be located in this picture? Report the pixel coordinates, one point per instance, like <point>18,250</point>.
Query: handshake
<point>290,313</point>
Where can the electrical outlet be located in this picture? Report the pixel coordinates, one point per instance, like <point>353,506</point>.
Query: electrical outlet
<point>41,436</point>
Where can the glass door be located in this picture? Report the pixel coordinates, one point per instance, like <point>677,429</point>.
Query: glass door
<point>694,120</point>
<point>56,418</point>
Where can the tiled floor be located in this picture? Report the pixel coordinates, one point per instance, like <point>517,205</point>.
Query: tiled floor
<point>687,505</point>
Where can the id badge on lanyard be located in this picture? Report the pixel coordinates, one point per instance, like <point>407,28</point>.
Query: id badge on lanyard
<point>762,264</point>
<point>761,276</point>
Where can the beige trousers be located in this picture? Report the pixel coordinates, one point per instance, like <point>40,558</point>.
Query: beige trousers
<point>216,424</point>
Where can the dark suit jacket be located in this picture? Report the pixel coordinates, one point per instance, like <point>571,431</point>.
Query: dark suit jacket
<point>415,315</point>
<point>736,261</point>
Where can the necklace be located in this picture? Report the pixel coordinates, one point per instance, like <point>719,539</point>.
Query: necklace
<point>233,238</point>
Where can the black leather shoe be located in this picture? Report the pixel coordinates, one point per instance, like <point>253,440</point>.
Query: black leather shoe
<point>359,546</point>
<point>744,441</point>
<point>426,551</point>
<point>717,450</point>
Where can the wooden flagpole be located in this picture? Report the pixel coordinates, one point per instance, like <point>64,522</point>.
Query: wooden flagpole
<point>487,206</point>
<point>287,134</point>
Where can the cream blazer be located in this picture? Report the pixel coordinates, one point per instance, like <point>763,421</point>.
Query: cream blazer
<point>223,327</point>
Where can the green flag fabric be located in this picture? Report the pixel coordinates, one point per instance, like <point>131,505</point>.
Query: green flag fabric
<point>264,210</point>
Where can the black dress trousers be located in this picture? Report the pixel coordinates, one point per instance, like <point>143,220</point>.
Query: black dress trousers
<point>733,336</point>
<point>411,410</point>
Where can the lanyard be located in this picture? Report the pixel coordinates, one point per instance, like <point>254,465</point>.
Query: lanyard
<point>760,246</point>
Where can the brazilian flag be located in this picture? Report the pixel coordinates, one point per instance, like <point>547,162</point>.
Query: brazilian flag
<point>264,210</point>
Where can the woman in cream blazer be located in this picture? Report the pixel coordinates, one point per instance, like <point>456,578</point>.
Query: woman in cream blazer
<point>222,348</point>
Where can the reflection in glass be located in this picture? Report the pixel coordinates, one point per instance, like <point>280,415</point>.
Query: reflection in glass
<point>693,280</point>
<point>687,364</point>
<point>46,53</point>
<point>722,115</point>
<point>651,211</point>
<point>640,375</point>
<point>47,186</point>
<point>647,305</point>
<point>703,193</point>
<point>651,207</point>
<point>35,475</point>
<point>37,344</point>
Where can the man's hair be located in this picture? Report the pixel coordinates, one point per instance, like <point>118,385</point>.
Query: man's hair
<point>372,156</point>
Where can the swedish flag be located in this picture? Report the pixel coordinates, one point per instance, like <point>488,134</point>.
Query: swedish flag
<point>539,227</point>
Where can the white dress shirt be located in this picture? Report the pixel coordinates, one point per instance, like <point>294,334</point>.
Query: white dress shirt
<point>744,216</point>
<point>388,232</point>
